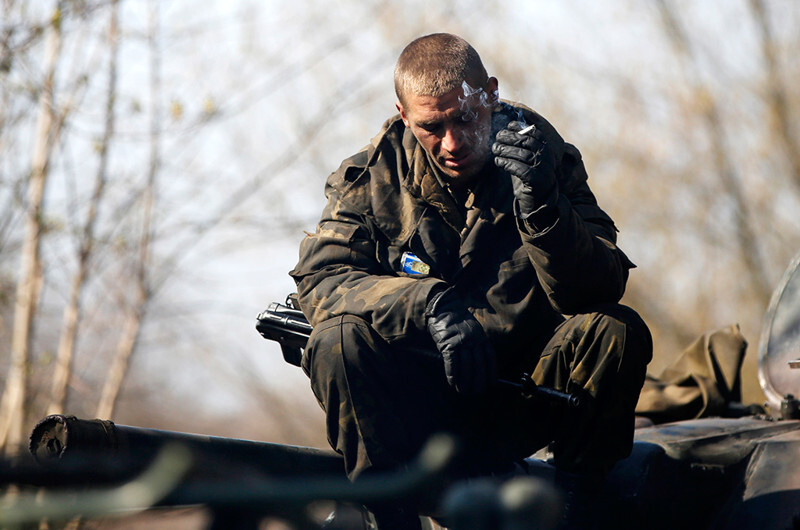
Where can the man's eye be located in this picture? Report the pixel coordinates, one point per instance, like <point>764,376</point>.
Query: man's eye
<point>431,127</point>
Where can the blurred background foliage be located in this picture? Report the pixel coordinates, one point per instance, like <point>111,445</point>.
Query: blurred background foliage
<point>160,160</point>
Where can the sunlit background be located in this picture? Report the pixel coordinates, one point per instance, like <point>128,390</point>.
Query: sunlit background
<point>182,149</point>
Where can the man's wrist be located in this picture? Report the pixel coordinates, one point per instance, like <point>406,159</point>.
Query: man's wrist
<point>541,217</point>
<point>540,221</point>
<point>436,292</point>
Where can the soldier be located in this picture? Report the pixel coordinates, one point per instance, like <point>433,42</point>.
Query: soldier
<point>461,245</point>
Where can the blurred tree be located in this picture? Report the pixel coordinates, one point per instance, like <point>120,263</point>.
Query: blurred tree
<point>12,407</point>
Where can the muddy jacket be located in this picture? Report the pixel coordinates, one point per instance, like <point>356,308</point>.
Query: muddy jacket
<point>391,233</point>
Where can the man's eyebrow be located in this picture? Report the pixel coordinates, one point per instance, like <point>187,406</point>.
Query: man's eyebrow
<point>430,123</point>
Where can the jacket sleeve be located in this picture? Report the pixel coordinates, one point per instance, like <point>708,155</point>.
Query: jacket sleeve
<point>572,244</point>
<point>339,273</point>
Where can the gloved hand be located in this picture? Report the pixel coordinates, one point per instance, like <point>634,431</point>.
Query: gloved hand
<point>530,162</point>
<point>469,360</point>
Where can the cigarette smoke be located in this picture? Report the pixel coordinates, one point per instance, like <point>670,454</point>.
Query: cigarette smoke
<point>472,101</point>
<point>475,99</point>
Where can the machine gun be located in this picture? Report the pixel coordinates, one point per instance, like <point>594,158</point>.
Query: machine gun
<point>287,325</point>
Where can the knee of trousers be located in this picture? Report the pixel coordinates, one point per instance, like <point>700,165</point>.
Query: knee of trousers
<point>338,342</point>
<point>605,340</point>
<point>621,318</point>
<point>637,351</point>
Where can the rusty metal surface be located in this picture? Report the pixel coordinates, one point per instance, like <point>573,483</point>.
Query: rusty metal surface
<point>726,474</point>
<point>769,494</point>
<point>714,441</point>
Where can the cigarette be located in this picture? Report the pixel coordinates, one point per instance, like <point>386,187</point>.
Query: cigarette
<point>528,129</point>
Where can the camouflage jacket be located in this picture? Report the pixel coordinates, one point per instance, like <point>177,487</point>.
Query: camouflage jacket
<point>385,204</point>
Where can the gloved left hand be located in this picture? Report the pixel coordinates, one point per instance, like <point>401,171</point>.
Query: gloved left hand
<point>469,359</point>
<point>531,163</point>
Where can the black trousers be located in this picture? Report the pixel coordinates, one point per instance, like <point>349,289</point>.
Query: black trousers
<point>383,401</point>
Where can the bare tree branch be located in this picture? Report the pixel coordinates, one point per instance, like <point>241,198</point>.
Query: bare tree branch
<point>134,318</point>
<point>313,127</point>
<point>72,311</point>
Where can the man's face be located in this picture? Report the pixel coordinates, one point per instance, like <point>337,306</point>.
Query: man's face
<point>454,129</point>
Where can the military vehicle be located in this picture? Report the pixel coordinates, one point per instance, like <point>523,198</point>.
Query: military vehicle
<point>736,472</point>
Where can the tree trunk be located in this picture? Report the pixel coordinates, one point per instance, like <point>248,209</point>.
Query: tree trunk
<point>12,408</point>
<point>119,368</point>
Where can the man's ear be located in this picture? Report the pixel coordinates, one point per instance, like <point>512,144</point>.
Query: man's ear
<point>491,89</point>
<point>402,112</point>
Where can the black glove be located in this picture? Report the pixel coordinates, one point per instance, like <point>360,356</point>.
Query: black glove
<point>469,361</point>
<point>531,162</point>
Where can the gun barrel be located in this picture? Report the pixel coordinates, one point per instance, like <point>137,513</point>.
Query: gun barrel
<point>122,451</point>
<point>529,388</point>
<point>233,477</point>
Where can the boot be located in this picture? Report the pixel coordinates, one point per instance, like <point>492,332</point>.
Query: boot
<point>581,496</point>
<point>395,517</point>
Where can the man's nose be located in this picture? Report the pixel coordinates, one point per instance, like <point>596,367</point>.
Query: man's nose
<point>453,139</point>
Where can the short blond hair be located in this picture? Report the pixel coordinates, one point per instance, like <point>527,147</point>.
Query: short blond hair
<point>436,64</point>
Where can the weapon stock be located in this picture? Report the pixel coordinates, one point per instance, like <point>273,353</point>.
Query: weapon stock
<point>286,325</point>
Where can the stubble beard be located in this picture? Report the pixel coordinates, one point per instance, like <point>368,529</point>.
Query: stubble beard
<point>481,150</point>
